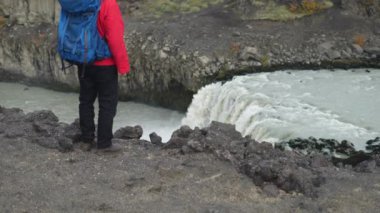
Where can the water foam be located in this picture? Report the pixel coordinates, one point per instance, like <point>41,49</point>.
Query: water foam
<point>287,104</point>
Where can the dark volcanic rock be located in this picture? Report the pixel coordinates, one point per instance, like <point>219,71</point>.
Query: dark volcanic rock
<point>341,153</point>
<point>47,142</point>
<point>2,128</point>
<point>265,165</point>
<point>129,133</point>
<point>14,133</point>
<point>43,116</point>
<point>11,114</point>
<point>73,131</point>
<point>65,144</point>
<point>40,127</point>
<point>155,139</point>
<point>182,132</point>
<point>175,143</point>
<point>374,145</point>
<point>271,190</point>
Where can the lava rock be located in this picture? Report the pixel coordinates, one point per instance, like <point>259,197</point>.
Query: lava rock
<point>47,142</point>
<point>11,115</point>
<point>186,150</point>
<point>182,132</point>
<point>14,132</point>
<point>176,143</point>
<point>65,144</point>
<point>271,190</point>
<point>195,145</point>
<point>352,160</point>
<point>261,162</point>
<point>3,127</point>
<point>73,131</point>
<point>329,147</point>
<point>129,132</point>
<point>374,145</point>
<point>43,116</point>
<point>155,139</point>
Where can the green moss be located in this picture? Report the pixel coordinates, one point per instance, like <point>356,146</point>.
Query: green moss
<point>3,21</point>
<point>270,10</point>
<point>265,60</point>
<point>160,7</point>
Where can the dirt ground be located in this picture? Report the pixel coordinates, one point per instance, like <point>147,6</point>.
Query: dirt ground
<point>146,179</point>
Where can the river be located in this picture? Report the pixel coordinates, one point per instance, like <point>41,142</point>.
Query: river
<point>276,106</point>
<point>339,104</point>
<point>65,106</point>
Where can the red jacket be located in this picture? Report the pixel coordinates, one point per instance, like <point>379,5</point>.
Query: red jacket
<point>111,26</point>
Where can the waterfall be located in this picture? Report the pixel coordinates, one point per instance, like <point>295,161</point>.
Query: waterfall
<point>288,104</point>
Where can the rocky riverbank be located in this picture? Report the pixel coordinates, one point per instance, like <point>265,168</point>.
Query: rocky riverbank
<point>198,170</point>
<point>174,55</point>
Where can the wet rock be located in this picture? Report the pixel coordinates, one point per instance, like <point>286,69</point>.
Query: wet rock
<point>353,159</point>
<point>374,145</point>
<point>311,145</point>
<point>129,132</point>
<point>155,139</point>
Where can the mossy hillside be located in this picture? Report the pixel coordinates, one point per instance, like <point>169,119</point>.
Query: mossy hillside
<point>278,10</point>
<point>160,7</point>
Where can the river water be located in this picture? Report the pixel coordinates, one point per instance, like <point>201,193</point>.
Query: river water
<point>65,106</point>
<point>340,104</point>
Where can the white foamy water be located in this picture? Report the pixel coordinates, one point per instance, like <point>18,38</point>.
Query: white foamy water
<point>342,105</point>
<point>65,106</point>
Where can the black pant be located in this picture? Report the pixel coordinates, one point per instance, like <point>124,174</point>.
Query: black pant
<point>101,82</point>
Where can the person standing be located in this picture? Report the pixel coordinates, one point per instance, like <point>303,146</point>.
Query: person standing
<point>99,78</point>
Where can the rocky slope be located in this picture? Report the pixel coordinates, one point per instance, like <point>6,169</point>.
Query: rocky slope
<point>176,54</point>
<point>201,170</point>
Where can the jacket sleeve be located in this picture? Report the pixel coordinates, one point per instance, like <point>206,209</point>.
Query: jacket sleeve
<point>114,34</point>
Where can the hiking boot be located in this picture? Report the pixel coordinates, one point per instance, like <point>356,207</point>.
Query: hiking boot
<point>111,149</point>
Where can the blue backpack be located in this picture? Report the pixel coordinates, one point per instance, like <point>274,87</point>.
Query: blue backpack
<point>79,41</point>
